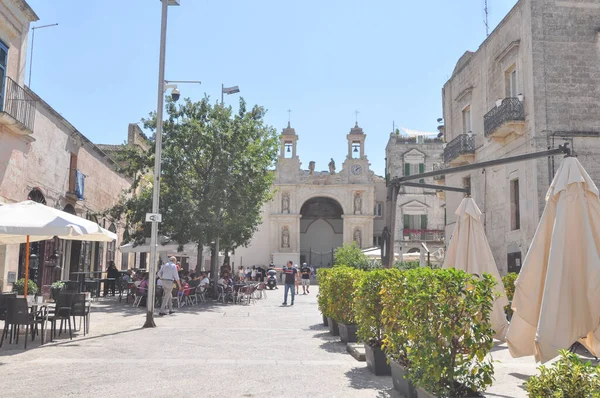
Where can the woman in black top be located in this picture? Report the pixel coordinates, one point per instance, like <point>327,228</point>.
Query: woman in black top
<point>111,273</point>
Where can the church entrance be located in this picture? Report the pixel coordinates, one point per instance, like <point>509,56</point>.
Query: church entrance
<point>321,231</point>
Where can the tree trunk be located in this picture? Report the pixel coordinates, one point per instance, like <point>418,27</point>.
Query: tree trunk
<point>200,257</point>
<point>214,268</point>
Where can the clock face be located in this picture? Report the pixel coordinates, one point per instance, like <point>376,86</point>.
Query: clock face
<point>356,169</point>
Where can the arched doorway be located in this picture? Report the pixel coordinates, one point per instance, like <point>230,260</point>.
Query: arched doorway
<point>321,231</point>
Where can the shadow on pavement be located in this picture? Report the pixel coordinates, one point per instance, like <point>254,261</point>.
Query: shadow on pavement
<point>362,378</point>
<point>334,346</point>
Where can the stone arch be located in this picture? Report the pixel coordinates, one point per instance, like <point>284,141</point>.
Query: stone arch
<point>70,209</point>
<point>321,229</point>
<point>37,196</point>
<point>346,207</point>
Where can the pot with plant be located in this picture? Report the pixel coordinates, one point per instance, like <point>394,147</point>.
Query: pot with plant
<point>341,308</point>
<point>368,312</point>
<point>451,319</point>
<point>19,287</point>
<point>55,289</point>
<point>322,296</point>
<point>508,281</point>
<point>396,292</point>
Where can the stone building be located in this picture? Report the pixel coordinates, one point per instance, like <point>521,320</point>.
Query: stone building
<point>314,212</point>
<point>419,212</point>
<point>46,159</point>
<point>533,83</point>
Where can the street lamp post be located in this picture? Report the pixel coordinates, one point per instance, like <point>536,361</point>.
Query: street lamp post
<point>31,52</point>
<point>157,155</point>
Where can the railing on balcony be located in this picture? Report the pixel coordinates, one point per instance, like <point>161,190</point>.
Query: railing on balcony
<point>418,140</point>
<point>427,235</point>
<point>18,103</point>
<point>510,109</point>
<point>461,145</point>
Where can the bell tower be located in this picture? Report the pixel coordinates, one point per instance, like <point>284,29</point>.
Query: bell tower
<point>288,140</point>
<point>356,143</point>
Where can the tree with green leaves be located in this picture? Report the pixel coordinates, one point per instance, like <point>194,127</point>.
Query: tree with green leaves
<point>216,174</point>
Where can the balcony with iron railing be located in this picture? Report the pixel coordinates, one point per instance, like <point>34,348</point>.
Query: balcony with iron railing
<point>17,111</point>
<point>424,235</point>
<point>506,118</point>
<point>460,150</point>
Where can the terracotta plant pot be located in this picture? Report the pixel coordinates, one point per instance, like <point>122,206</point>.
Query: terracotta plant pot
<point>347,333</point>
<point>333,327</point>
<point>404,386</point>
<point>325,323</point>
<point>376,360</point>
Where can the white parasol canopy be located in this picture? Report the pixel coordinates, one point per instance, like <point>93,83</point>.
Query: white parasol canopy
<point>557,294</point>
<point>470,251</point>
<point>41,222</point>
<point>28,221</point>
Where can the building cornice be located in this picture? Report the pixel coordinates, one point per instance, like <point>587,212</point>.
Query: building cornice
<point>507,50</point>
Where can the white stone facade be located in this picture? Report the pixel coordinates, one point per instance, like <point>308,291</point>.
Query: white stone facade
<point>419,212</point>
<point>534,82</point>
<point>285,235</point>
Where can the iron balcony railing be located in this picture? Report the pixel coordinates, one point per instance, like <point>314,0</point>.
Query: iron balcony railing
<point>461,145</point>
<point>415,140</point>
<point>18,103</point>
<point>427,235</point>
<point>510,109</point>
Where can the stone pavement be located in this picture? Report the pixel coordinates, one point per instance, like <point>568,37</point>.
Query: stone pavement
<point>215,350</point>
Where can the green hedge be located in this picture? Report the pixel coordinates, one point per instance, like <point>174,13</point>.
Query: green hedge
<point>323,278</point>
<point>368,306</point>
<point>567,377</point>
<point>342,289</point>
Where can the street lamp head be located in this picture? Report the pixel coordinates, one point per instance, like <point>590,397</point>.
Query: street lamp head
<point>173,2</point>
<point>231,90</point>
<point>175,94</point>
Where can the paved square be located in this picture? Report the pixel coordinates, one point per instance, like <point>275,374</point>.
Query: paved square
<point>214,350</point>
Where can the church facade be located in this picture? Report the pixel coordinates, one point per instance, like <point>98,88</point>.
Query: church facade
<point>314,212</point>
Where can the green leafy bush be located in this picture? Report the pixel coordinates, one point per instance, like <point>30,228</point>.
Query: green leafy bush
<point>406,265</point>
<point>437,324</point>
<point>324,295</point>
<point>569,377</point>
<point>352,256</point>
<point>368,306</point>
<point>19,287</point>
<point>57,285</point>
<point>341,293</point>
<point>508,281</point>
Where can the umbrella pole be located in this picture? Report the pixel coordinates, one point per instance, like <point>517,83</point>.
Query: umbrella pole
<point>26,267</point>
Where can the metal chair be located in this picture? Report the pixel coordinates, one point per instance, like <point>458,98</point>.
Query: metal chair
<point>62,312</point>
<point>81,308</point>
<point>4,304</point>
<point>18,314</point>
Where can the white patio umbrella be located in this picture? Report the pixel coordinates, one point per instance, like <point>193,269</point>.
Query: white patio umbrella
<point>470,251</point>
<point>29,221</point>
<point>557,293</point>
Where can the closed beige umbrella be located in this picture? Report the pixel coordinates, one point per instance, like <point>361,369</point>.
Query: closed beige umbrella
<point>557,294</point>
<point>470,251</point>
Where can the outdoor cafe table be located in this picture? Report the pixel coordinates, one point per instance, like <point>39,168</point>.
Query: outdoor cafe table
<point>81,277</point>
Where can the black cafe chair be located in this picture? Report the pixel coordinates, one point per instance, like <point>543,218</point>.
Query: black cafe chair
<point>18,314</point>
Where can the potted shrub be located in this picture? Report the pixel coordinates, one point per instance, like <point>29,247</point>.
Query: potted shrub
<point>396,297</point>
<point>368,310</point>
<point>567,377</point>
<point>341,302</point>
<point>55,289</point>
<point>508,281</point>
<point>322,296</point>
<point>19,287</point>
<point>450,333</point>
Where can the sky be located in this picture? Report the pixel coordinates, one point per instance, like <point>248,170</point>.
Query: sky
<point>323,60</point>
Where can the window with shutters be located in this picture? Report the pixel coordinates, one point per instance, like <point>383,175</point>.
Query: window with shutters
<point>378,211</point>
<point>411,169</point>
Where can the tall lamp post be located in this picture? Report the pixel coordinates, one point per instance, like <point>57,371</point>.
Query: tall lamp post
<point>157,154</point>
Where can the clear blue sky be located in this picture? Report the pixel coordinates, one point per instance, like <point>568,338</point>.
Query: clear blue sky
<point>321,59</point>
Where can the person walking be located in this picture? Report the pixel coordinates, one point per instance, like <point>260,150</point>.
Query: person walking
<point>168,275</point>
<point>305,271</point>
<point>290,278</point>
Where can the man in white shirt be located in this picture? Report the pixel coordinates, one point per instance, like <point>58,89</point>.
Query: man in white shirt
<point>168,274</point>
<point>204,282</point>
